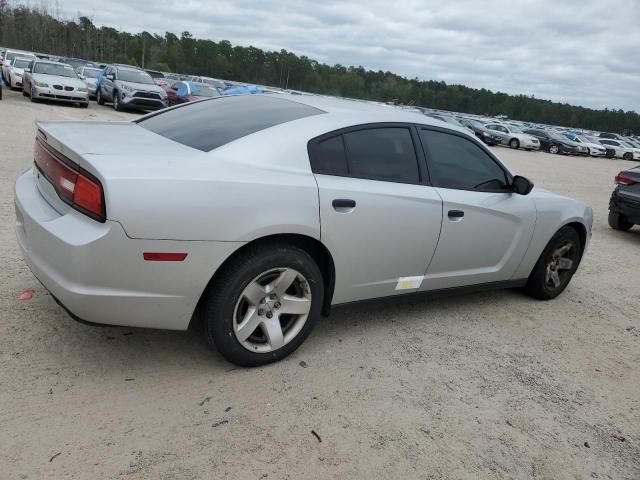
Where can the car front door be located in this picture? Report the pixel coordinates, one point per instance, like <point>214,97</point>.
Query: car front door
<point>379,217</point>
<point>486,229</point>
<point>107,84</point>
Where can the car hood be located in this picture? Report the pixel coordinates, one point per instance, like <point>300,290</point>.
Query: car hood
<point>56,80</point>
<point>145,87</point>
<point>90,81</point>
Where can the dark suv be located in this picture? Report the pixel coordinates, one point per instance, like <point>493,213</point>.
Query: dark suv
<point>624,206</point>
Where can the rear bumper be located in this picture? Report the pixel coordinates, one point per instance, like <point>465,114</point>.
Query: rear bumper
<point>99,274</point>
<point>628,207</point>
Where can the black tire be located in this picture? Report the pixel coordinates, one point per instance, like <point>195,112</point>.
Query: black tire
<point>31,97</point>
<point>627,156</point>
<point>514,144</point>
<point>219,301</point>
<point>619,222</point>
<point>116,101</point>
<point>538,286</point>
<point>554,149</point>
<point>84,105</point>
<point>99,97</point>
<point>24,92</point>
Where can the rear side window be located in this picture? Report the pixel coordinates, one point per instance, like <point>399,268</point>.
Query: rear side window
<point>330,157</point>
<point>458,163</point>
<point>386,154</point>
<point>210,124</point>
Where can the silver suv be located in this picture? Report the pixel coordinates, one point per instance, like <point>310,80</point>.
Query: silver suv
<point>130,87</point>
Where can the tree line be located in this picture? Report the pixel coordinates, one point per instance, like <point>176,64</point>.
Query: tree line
<point>37,29</point>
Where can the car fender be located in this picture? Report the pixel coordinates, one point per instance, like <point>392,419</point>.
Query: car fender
<point>552,213</point>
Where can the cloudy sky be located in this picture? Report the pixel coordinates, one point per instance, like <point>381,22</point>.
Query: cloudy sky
<point>582,52</point>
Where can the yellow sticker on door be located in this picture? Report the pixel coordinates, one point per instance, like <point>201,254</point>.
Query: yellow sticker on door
<point>408,283</point>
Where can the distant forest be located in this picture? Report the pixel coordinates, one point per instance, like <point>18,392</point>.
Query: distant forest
<point>40,30</point>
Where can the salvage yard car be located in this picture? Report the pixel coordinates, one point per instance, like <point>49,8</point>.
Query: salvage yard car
<point>624,206</point>
<point>47,80</point>
<point>130,88</point>
<point>255,214</point>
<point>514,137</point>
<point>16,71</point>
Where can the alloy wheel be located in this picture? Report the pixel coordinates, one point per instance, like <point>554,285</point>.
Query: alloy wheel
<point>272,309</point>
<point>560,265</point>
<point>553,149</point>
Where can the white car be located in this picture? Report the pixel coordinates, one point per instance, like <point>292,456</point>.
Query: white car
<point>594,148</point>
<point>16,71</point>
<point>9,56</point>
<point>255,214</point>
<point>47,80</point>
<point>90,76</point>
<point>623,149</point>
<point>514,137</point>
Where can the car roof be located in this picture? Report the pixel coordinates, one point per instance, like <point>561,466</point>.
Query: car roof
<point>51,61</point>
<point>363,112</point>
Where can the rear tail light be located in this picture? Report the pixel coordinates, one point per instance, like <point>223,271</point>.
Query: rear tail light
<point>73,185</point>
<point>622,179</point>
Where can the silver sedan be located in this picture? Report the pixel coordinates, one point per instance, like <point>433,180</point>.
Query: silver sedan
<point>254,215</point>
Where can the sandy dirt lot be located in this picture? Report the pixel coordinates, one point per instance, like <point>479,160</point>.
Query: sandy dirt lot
<point>483,386</point>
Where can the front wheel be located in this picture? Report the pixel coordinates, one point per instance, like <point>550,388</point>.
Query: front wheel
<point>554,149</point>
<point>619,222</point>
<point>116,102</point>
<point>99,97</point>
<point>556,266</point>
<point>263,304</point>
<point>628,156</point>
<point>514,143</point>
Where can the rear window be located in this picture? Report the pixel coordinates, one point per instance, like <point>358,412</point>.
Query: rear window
<point>210,124</point>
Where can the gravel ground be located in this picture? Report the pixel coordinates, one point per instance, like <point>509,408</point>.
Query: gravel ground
<point>489,385</point>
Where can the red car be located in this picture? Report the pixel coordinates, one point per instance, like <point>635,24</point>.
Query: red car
<point>184,92</point>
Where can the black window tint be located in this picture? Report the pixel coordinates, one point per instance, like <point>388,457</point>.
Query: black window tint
<point>329,157</point>
<point>212,123</point>
<point>456,162</point>
<point>382,154</point>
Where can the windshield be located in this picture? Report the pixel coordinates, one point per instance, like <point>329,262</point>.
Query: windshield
<point>135,76</point>
<point>12,55</point>
<point>21,63</point>
<point>203,91</point>
<point>57,69</point>
<point>593,140</point>
<point>91,72</point>
<point>557,136</point>
<point>213,82</point>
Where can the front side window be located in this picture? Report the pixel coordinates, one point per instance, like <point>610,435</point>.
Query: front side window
<point>458,163</point>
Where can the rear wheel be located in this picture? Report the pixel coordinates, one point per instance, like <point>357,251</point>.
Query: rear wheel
<point>263,305</point>
<point>619,222</point>
<point>514,143</point>
<point>556,266</point>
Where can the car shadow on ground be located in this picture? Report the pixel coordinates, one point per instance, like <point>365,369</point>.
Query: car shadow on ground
<point>142,349</point>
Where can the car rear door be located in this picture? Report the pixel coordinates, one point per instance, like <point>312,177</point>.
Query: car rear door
<point>379,217</point>
<point>486,229</point>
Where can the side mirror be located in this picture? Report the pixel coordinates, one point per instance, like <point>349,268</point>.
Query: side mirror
<point>521,185</point>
